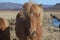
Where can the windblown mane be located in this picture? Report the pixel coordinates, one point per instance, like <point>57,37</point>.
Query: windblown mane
<point>29,26</point>
<point>3,24</point>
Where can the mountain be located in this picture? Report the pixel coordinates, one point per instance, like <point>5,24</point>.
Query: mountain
<point>57,6</point>
<point>52,7</point>
<point>16,6</point>
<point>47,7</point>
<point>10,6</point>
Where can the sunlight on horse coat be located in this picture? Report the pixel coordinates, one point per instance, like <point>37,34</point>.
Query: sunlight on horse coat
<point>3,24</point>
<point>29,22</point>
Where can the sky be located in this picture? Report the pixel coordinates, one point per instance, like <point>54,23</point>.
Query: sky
<point>46,2</point>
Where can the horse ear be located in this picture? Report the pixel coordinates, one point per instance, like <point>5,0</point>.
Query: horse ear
<point>18,15</point>
<point>40,5</point>
<point>25,4</point>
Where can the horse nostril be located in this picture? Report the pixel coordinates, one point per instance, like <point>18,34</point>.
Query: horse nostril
<point>34,33</point>
<point>14,39</point>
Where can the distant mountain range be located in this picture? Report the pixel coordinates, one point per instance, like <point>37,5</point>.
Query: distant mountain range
<point>16,6</point>
<point>52,7</point>
<point>10,6</point>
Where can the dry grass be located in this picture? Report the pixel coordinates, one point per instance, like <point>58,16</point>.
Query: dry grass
<point>50,32</point>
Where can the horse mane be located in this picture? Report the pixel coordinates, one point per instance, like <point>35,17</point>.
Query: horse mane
<point>3,24</point>
<point>35,13</point>
<point>31,20</point>
<point>29,8</point>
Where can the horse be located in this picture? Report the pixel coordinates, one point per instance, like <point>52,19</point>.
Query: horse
<point>29,22</point>
<point>4,29</point>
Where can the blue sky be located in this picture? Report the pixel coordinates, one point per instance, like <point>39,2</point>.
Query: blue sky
<point>48,2</point>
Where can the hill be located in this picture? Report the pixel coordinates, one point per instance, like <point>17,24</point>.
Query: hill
<point>16,6</point>
<point>10,6</point>
<point>52,7</point>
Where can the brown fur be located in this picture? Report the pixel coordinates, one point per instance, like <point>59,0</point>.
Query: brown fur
<point>3,24</point>
<point>4,29</point>
<point>36,17</point>
<point>29,27</point>
<point>22,26</point>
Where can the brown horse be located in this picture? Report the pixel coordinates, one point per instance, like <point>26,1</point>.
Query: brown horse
<point>4,30</point>
<point>22,26</point>
<point>29,22</point>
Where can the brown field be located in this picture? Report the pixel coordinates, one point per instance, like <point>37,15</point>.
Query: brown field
<point>49,32</point>
<point>8,14</point>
